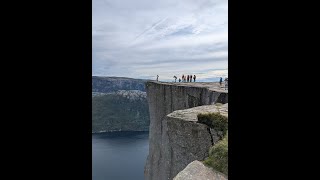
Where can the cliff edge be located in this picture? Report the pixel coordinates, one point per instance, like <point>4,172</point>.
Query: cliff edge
<point>175,137</point>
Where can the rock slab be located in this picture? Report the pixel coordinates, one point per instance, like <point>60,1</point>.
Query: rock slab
<point>196,170</point>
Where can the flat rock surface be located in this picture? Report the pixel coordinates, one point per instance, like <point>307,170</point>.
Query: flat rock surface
<point>191,114</point>
<point>213,86</point>
<point>196,170</point>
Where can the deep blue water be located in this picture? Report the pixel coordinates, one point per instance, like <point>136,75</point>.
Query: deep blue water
<point>119,155</point>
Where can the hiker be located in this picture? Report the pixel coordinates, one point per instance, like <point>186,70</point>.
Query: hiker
<point>220,81</point>
<point>226,83</point>
<point>179,80</point>
<point>182,77</point>
<point>157,77</point>
<point>175,78</point>
<point>188,78</point>
<point>194,78</point>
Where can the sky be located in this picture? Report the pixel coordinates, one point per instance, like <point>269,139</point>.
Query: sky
<point>146,38</point>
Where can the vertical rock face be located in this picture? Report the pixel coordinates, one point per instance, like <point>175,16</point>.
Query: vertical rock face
<point>170,135</point>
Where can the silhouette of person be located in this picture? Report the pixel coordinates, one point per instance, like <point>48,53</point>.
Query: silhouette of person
<point>220,81</point>
<point>188,78</point>
<point>182,77</point>
<point>175,78</point>
<point>194,78</point>
<point>157,77</point>
<point>179,80</point>
<point>226,83</point>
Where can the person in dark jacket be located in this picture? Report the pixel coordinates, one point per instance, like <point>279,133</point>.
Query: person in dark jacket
<point>188,78</point>
<point>194,78</point>
<point>220,81</point>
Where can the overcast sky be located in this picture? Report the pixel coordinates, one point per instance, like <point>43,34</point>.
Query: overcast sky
<point>145,38</point>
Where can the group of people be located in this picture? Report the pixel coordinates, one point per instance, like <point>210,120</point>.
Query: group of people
<point>188,78</point>
<point>184,78</point>
<point>225,82</point>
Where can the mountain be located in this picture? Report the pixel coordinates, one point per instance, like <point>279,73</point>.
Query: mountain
<point>119,104</point>
<point>112,84</point>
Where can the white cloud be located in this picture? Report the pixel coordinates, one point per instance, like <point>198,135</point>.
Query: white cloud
<point>143,38</point>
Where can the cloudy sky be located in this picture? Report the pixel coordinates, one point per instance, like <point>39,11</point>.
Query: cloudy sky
<point>145,38</point>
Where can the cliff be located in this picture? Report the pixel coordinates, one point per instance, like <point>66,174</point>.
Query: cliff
<point>175,137</point>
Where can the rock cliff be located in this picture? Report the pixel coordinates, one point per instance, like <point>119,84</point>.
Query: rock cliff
<point>175,138</point>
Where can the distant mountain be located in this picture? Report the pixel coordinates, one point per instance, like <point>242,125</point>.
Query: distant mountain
<point>120,111</point>
<point>112,84</point>
<point>119,104</point>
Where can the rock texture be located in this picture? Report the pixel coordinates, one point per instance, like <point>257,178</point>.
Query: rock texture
<point>176,139</point>
<point>198,171</point>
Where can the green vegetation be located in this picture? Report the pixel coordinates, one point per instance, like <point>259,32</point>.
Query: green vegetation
<point>112,112</point>
<point>218,153</point>
<point>215,121</point>
<point>218,156</point>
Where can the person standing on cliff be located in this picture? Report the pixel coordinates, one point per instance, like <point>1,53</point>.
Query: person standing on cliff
<point>226,83</point>
<point>188,78</point>
<point>182,77</point>
<point>157,77</point>
<point>194,78</point>
<point>220,81</point>
<point>179,80</point>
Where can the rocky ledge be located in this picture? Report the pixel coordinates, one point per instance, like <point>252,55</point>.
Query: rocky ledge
<point>185,140</point>
<point>197,170</point>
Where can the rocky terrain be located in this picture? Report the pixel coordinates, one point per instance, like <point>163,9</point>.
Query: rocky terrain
<point>175,137</point>
<point>197,171</point>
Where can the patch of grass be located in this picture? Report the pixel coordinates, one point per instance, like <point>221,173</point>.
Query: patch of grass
<point>215,121</point>
<point>218,156</point>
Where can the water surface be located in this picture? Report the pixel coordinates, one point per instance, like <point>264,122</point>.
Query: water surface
<point>119,155</point>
